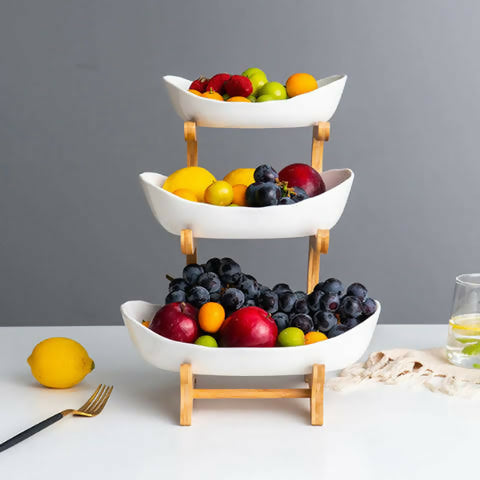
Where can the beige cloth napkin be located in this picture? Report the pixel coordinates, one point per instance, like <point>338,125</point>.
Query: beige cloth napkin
<point>428,367</point>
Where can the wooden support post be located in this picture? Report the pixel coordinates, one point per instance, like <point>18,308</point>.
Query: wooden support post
<point>187,244</point>
<point>317,243</point>
<point>188,393</point>
<point>190,132</point>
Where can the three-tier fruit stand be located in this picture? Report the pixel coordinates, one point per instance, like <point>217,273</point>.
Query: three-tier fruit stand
<point>191,220</point>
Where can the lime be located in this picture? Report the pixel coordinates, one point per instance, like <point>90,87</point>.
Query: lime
<point>206,341</point>
<point>291,337</point>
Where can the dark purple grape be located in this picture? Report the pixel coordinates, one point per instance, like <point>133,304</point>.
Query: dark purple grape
<point>265,174</point>
<point>336,331</point>
<point>357,290</point>
<point>281,319</point>
<point>301,305</point>
<point>268,300</point>
<point>286,301</point>
<point>250,303</point>
<point>301,295</point>
<point>324,321</point>
<point>251,194</point>
<point>302,321</point>
<point>191,273</point>
<point>349,322</point>
<point>267,194</point>
<point>329,302</point>
<point>286,201</point>
<point>177,284</point>
<point>229,271</point>
<point>210,281</point>
<point>249,287</point>
<point>318,286</point>
<point>198,296</point>
<point>281,288</point>
<point>332,285</point>
<point>175,296</point>
<point>350,307</point>
<point>232,299</point>
<point>298,195</point>
<point>212,265</point>
<point>369,307</point>
<point>314,300</point>
<point>215,297</point>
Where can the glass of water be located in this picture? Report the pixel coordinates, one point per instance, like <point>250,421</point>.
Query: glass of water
<point>463,344</point>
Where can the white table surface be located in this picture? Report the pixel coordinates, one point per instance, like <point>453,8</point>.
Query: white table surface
<point>377,432</point>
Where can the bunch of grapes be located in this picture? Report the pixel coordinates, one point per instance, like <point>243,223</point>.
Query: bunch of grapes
<point>329,309</point>
<point>268,190</point>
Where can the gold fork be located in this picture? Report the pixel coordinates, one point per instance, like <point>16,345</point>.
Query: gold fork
<point>92,407</point>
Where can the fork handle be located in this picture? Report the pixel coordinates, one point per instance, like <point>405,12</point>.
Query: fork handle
<point>31,431</point>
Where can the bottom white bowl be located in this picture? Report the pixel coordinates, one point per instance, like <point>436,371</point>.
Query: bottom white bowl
<point>335,353</point>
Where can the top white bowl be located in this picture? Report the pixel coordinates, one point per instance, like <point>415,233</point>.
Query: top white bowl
<point>300,111</point>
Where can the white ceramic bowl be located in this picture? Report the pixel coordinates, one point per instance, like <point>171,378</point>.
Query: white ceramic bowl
<point>335,353</point>
<point>209,221</point>
<point>300,111</point>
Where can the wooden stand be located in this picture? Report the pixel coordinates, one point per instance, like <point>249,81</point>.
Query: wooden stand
<point>188,393</point>
<point>318,244</point>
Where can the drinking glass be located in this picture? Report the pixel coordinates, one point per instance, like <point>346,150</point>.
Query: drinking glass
<point>463,343</point>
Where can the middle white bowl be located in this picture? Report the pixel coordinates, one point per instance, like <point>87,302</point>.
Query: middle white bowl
<point>286,221</point>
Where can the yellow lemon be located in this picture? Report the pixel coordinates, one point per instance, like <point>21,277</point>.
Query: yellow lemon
<point>196,179</point>
<point>186,194</point>
<point>60,362</point>
<point>240,176</point>
<point>219,193</point>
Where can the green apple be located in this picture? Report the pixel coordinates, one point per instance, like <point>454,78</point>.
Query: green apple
<point>275,89</point>
<point>252,98</point>
<point>265,98</point>
<point>257,77</point>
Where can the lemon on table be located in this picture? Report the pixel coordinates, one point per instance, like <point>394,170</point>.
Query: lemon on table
<point>60,362</point>
<point>196,179</point>
<point>240,176</point>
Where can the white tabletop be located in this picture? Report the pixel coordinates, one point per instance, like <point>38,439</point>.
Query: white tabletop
<point>377,432</point>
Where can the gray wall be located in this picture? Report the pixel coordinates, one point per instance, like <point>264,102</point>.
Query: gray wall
<point>83,111</point>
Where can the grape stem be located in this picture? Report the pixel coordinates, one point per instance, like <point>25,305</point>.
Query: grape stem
<point>169,277</point>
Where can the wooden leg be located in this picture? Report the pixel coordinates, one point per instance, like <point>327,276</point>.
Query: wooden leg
<point>186,394</point>
<point>321,134</point>
<point>187,244</point>
<point>190,132</point>
<point>318,244</point>
<point>316,395</point>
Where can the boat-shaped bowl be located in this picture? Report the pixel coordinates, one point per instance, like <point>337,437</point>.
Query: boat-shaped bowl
<point>300,111</point>
<point>335,353</point>
<point>210,221</point>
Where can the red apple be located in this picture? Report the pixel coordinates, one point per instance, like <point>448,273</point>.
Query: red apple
<point>303,176</point>
<point>176,321</point>
<point>248,327</point>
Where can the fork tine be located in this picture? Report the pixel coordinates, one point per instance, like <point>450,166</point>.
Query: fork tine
<point>104,401</point>
<point>90,400</point>
<point>95,402</point>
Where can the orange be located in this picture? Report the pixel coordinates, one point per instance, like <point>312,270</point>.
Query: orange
<point>212,95</point>
<point>195,92</point>
<point>239,195</point>
<point>314,337</point>
<point>300,83</point>
<point>211,316</point>
<point>186,194</point>
<point>239,99</point>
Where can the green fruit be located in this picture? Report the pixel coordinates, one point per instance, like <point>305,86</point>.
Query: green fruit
<point>252,98</point>
<point>291,337</point>
<point>276,89</point>
<point>265,98</point>
<point>257,77</point>
<point>206,341</point>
